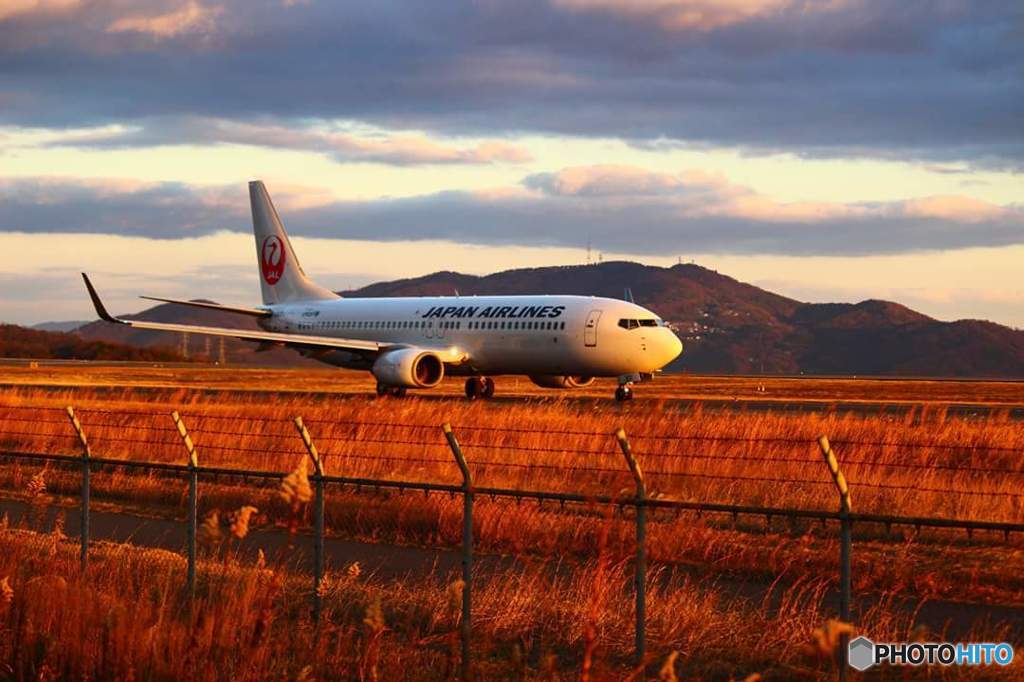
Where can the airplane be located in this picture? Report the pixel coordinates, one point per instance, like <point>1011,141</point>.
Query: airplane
<point>559,342</point>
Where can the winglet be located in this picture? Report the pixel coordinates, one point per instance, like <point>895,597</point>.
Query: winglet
<point>98,304</point>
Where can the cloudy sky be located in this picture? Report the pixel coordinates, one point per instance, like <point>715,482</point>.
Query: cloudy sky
<point>825,149</point>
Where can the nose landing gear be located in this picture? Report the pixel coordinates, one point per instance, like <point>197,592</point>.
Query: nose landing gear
<point>479,387</point>
<point>624,392</point>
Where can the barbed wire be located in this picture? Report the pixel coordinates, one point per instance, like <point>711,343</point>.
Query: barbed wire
<point>923,489</point>
<point>134,413</point>
<point>723,439</point>
<point>33,420</point>
<point>357,423</point>
<point>104,438</point>
<point>530,448</point>
<point>541,465</point>
<point>32,434</point>
<point>931,467</point>
<point>738,458</point>
<point>506,429</point>
<point>131,427</point>
<point>245,434</point>
<point>299,449</point>
<point>546,431</point>
<point>738,477</point>
<point>34,408</point>
<point>925,445</point>
<point>389,458</point>
<point>237,418</point>
<point>382,441</point>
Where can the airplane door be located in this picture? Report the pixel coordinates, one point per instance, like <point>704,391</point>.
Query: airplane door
<point>590,331</point>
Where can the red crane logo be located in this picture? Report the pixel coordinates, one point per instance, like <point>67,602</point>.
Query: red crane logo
<point>272,259</point>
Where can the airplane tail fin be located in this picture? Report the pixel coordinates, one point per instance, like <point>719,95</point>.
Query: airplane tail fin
<point>282,279</point>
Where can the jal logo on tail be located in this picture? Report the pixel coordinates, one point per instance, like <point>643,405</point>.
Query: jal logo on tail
<point>272,259</point>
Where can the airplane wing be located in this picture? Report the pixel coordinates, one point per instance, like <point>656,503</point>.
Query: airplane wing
<point>291,340</point>
<point>254,312</point>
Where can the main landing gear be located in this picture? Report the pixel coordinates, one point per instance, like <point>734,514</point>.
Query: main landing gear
<point>395,391</point>
<point>623,393</point>
<point>479,387</point>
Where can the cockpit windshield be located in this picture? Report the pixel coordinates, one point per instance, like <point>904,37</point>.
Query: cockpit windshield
<point>627,323</point>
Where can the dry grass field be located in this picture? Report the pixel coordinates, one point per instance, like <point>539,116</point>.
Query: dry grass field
<point>573,595</point>
<point>672,387</point>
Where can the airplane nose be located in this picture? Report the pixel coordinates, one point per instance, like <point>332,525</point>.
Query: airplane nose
<point>672,346</point>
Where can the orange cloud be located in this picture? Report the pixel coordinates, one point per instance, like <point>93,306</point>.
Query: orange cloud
<point>685,15</point>
<point>954,207</point>
<point>400,148</point>
<point>695,193</point>
<point>191,17</point>
<point>16,8</point>
<point>606,180</point>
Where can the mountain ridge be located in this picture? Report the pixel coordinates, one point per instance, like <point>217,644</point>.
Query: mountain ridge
<point>727,326</point>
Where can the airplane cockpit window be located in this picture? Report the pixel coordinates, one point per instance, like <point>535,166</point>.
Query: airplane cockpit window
<point>634,324</point>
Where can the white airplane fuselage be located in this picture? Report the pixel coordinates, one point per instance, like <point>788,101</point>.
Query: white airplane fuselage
<point>532,335</point>
<point>412,342</point>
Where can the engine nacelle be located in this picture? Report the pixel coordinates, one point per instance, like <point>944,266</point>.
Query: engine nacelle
<point>409,368</point>
<point>561,381</point>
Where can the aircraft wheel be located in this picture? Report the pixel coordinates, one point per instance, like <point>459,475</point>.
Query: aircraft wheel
<point>383,389</point>
<point>474,387</point>
<point>399,391</point>
<point>623,393</point>
<point>488,388</point>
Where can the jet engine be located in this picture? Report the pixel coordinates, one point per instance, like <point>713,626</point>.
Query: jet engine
<point>409,368</point>
<point>561,381</point>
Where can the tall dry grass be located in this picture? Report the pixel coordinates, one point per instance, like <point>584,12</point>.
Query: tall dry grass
<point>127,619</point>
<point>538,620</point>
<point>921,464</point>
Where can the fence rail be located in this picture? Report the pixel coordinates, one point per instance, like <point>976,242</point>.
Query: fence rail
<point>640,501</point>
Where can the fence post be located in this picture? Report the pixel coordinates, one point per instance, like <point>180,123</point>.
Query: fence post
<point>86,454</point>
<point>193,485</point>
<point>318,519</point>
<point>845,541</point>
<point>467,547</point>
<point>640,578</point>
